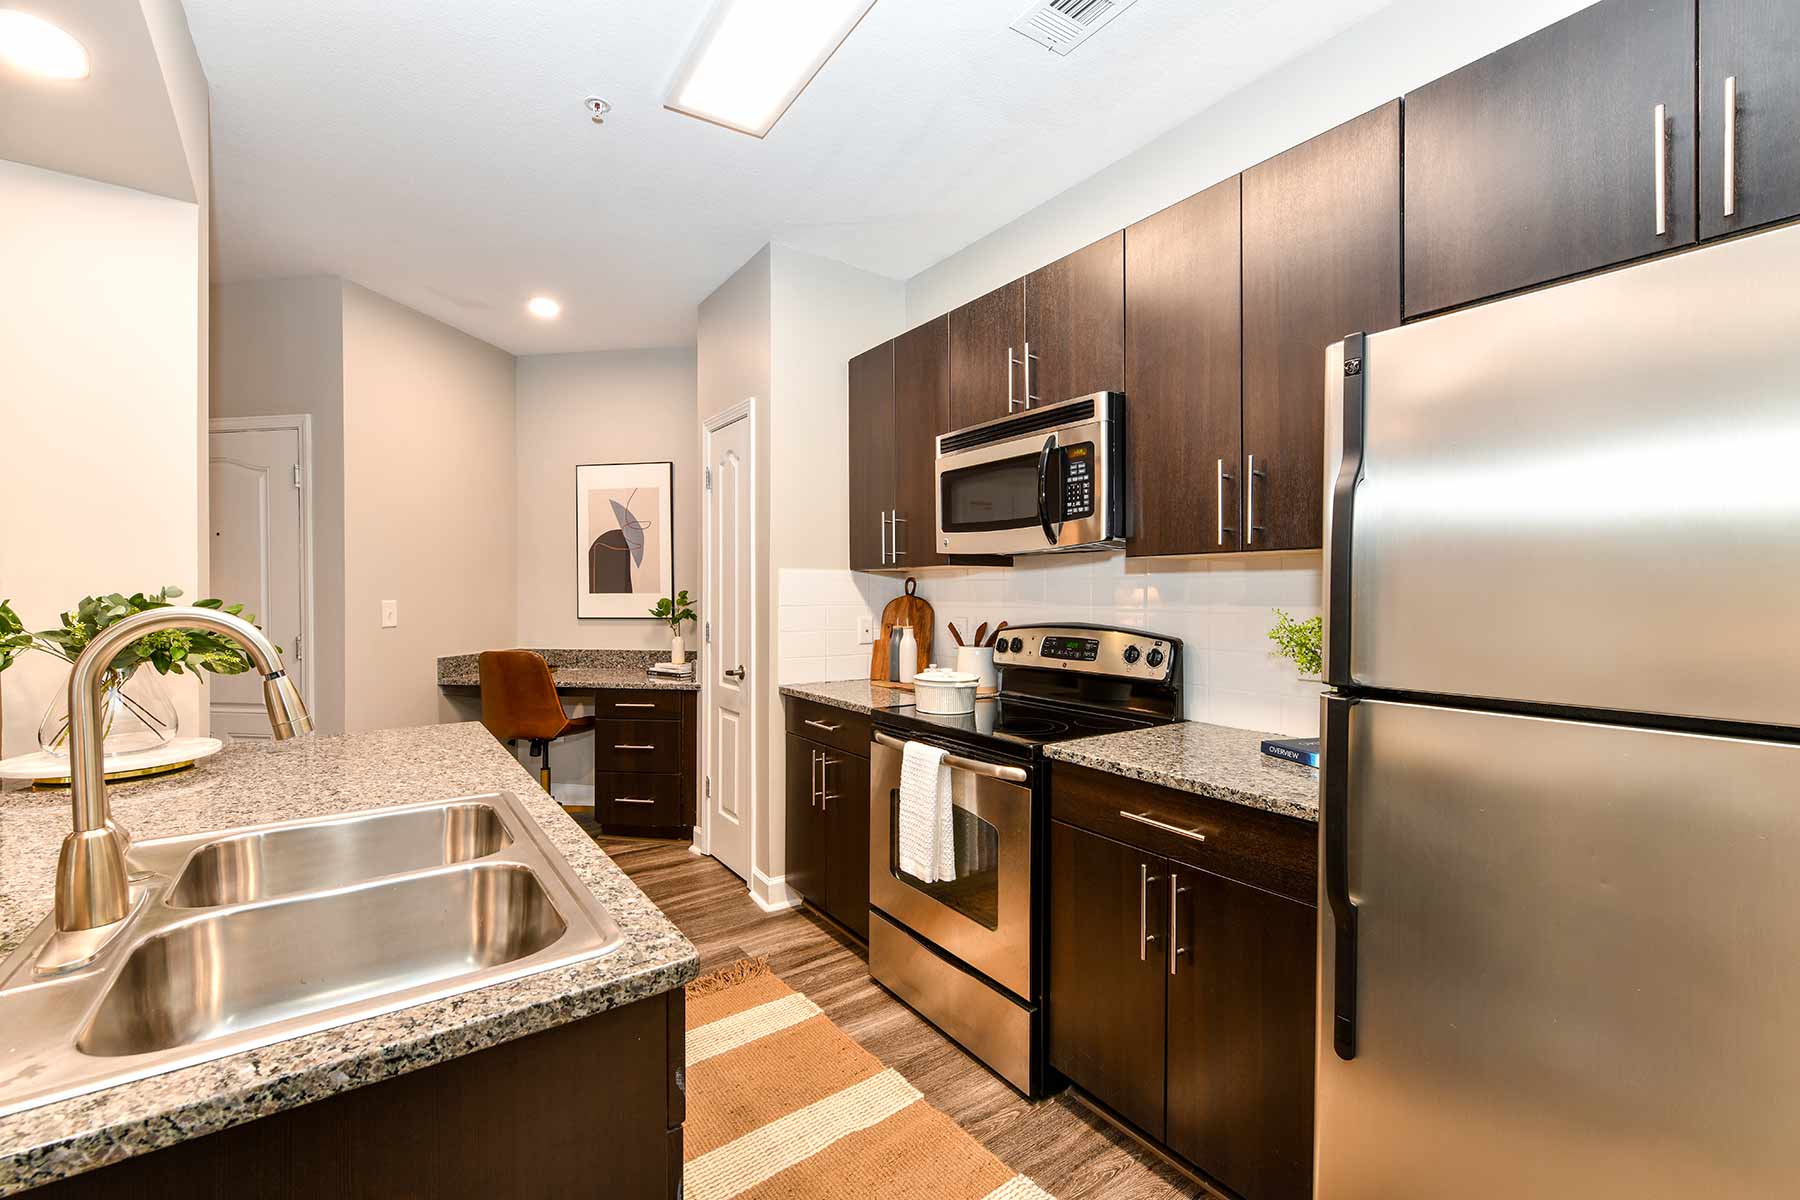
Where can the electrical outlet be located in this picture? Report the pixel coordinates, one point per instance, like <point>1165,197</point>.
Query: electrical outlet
<point>962,626</point>
<point>865,631</point>
<point>390,614</point>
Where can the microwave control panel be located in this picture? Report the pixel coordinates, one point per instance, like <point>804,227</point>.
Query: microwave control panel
<point>1078,481</point>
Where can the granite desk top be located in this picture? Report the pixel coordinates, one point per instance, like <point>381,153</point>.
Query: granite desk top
<point>580,671</point>
<point>1207,760</point>
<point>254,782</point>
<point>855,695</point>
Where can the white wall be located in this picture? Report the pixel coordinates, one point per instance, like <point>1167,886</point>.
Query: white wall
<point>608,406</point>
<point>429,503</point>
<point>278,347</point>
<point>100,393</point>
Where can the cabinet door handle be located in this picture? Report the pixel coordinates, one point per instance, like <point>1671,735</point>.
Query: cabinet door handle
<point>895,521</point>
<point>1012,360</point>
<point>1660,147</point>
<point>823,725</point>
<point>1251,475</point>
<point>633,704</point>
<point>617,746</point>
<point>1145,937</point>
<point>813,781</point>
<point>1145,818</point>
<point>825,796</point>
<point>1026,363</point>
<point>884,538</point>
<point>1176,891</point>
<point>1223,527</point>
<point>631,800</point>
<point>1730,163</point>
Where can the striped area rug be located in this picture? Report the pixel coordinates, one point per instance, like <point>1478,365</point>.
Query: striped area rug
<point>782,1103</point>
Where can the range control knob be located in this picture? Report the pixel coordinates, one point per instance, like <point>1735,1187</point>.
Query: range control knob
<point>1154,658</point>
<point>1018,644</point>
<point>1131,654</point>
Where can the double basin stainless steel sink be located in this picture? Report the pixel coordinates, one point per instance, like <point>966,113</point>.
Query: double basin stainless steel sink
<point>242,938</point>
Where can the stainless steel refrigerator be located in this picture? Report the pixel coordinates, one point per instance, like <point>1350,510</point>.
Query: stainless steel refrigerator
<point>1559,948</point>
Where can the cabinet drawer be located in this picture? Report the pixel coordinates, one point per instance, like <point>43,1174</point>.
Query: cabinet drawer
<point>653,746</point>
<point>647,705</point>
<point>626,799</point>
<point>835,728</point>
<point>1275,853</point>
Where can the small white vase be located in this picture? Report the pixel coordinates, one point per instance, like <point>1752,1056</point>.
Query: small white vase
<point>677,650</point>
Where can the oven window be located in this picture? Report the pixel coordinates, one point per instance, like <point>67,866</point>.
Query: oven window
<point>975,892</point>
<point>994,495</point>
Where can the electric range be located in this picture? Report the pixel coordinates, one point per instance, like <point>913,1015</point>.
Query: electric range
<point>967,952</point>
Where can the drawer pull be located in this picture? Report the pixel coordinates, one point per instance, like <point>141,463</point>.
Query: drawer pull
<point>631,800</point>
<point>824,726</point>
<point>1146,819</point>
<point>619,747</point>
<point>633,704</point>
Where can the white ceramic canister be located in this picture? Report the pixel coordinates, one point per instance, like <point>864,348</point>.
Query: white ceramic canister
<point>978,661</point>
<point>941,692</point>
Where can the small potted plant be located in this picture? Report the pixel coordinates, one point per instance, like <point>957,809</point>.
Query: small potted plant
<point>675,613</point>
<point>1300,642</point>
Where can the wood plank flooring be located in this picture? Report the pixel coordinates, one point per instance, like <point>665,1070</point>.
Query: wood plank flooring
<point>1058,1143</point>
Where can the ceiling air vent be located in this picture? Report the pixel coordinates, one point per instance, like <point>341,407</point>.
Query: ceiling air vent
<point>1062,25</point>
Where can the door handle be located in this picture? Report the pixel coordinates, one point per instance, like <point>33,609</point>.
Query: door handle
<point>1194,835</point>
<point>1026,364</point>
<point>1012,360</point>
<point>884,538</point>
<point>1334,811</point>
<point>825,796</point>
<point>1176,891</point>
<point>1730,160</point>
<point>1251,475</point>
<point>1145,937</point>
<point>1660,148</point>
<point>631,800</point>
<point>1223,527</point>
<point>633,704</point>
<point>617,746</point>
<point>895,521</point>
<point>1043,496</point>
<point>824,726</point>
<point>736,673</point>
<point>814,779</point>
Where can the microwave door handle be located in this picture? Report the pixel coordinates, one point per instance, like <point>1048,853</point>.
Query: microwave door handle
<point>1045,457</point>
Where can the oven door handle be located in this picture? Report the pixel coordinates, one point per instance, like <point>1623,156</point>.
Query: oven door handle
<point>1045,457</point>
<point>958,763</point>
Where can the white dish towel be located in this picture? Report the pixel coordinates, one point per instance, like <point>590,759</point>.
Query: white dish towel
<point>927,833</point>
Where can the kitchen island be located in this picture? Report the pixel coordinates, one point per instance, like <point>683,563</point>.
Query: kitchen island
<point>537,1078</point>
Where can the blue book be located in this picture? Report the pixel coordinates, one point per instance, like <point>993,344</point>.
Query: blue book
<point>1304,751</point>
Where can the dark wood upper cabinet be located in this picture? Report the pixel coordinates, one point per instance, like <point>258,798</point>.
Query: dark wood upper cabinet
<point>1749,67</point>
<point>1321,260</point>
<point>1183,375</point>
<point>806,838</point>
<point>1075,325</point>
<point>922,411</point>
<point>1543,159</point>
<point>845,778</point>
<point>1108,906</point>
<point>987,338</point>
<point>872,430</point>
<point>1240,1042</point>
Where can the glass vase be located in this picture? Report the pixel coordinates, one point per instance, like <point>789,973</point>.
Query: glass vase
<point>136,714</point>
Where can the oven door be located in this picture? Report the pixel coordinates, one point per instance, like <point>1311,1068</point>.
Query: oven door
<point>983,916</point>
<point>1038,492</point>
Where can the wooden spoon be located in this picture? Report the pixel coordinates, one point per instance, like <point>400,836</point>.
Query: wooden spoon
<point>981,634</point>
<point>957,636</point>
<point>994,637</point>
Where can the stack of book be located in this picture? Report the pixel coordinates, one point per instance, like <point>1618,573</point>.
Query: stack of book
<point>672,670</point>
<point>1304,751</point>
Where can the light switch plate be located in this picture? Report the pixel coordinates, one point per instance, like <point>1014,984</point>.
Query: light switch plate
<point>865,631</point>
<point>390,614</point>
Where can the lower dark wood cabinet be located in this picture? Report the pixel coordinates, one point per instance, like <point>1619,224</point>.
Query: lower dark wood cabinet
<point>1107,992</point>
<point>646,762</point>
<point>1181,998</point>
<point>827,812</point>
<point>845,783</point>
<point>806,845</point>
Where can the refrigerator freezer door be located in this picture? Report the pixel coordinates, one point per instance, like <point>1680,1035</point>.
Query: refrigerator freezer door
<point>1577,962</point>
<point>1589,496</point>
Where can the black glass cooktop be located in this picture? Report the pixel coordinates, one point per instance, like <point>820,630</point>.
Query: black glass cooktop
<point>1012,722</point>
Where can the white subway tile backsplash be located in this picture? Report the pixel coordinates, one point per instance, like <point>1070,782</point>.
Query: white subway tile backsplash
<point>808,644</point>
<point>842,642</point>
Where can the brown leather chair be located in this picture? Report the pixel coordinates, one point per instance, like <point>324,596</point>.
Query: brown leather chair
<point>519,700</point>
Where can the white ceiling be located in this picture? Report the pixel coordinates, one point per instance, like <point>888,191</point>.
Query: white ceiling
<point>437,151</point>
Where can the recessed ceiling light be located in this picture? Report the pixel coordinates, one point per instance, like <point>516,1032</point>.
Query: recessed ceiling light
<point>34,44</point>
<point>753,57</point>
<point>544,308</point>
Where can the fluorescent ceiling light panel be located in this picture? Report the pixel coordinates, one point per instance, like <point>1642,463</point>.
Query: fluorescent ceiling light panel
<point>34,44</point>
<point>754,57</point>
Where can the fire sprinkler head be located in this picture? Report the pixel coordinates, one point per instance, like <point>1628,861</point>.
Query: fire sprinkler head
<point>597,109</point>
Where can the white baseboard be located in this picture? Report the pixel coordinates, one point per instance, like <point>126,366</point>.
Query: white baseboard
<point>773,895</point>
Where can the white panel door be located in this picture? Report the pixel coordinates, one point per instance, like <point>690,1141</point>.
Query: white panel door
<point>257,559</point>
<point>730,802</point>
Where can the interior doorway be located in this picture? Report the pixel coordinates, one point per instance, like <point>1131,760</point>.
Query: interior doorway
<point>728,650</point>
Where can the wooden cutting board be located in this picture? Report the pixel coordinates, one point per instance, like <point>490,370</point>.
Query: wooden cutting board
<point>903,610</point>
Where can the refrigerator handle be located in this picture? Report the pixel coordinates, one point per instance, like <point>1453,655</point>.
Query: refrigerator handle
<point>1343,515</point>
<point>1335,797</point>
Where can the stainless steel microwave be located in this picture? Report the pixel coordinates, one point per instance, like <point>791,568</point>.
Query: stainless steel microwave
<point>1043,480</point>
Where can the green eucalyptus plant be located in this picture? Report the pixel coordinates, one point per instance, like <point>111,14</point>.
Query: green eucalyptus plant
<point>674,613</point>
<point>1300,642</point>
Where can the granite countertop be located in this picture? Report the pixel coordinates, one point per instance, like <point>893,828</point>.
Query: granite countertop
<point>581,670</point>
<point>1207,760</point>
<point>254,782</point>
<point>856,695</point>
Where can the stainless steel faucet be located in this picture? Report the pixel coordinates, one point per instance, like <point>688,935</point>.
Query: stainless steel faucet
<point>92,887</point>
